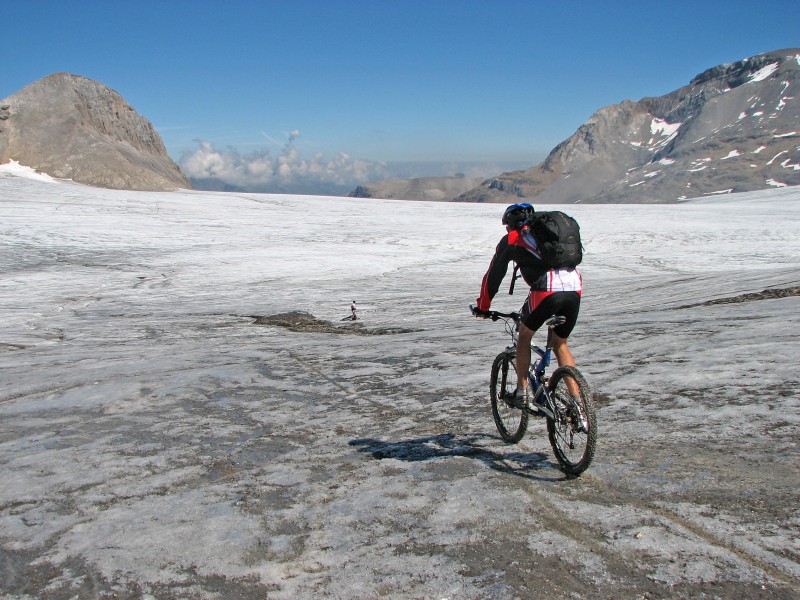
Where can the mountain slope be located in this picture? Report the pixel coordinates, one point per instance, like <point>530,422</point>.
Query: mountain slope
<point>74,128</point>
<point>418,188</point>
<point>734,128</point>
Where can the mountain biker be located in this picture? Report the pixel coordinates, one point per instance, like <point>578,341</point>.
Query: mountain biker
<point>552,292</point>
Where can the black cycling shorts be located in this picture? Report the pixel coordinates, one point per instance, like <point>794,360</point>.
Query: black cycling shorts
<point>566,304</point>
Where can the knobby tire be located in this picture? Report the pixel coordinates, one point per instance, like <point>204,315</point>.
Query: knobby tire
<point>573,447</point>
<point>511,422</point>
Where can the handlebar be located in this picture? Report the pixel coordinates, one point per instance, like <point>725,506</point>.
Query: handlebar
<point>493,314</point>
<point>553,321</point>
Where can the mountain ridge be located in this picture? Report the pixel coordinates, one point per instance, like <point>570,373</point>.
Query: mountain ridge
<point>72,127</point>
<point>430,188</point>
<point>672,147</point>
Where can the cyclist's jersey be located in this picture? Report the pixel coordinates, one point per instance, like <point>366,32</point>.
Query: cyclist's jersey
<point>522,249</point>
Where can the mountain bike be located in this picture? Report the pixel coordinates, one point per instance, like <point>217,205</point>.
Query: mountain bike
<point>563,398</point>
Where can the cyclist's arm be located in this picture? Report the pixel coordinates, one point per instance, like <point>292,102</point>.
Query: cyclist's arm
<point>494,275</point>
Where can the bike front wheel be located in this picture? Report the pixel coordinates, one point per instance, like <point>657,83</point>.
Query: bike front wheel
<point>511,422</point>
<point>573,432</point>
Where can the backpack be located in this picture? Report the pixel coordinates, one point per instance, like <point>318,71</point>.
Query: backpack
<point>558,237</point>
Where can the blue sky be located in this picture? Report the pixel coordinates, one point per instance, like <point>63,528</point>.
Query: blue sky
<point>498,82</point>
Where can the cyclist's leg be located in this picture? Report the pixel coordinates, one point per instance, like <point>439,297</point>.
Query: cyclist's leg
<point>569,304</point>
<point>561,350</point>
<point>565,359</point>
<point>527,327</point>
<point>523,355</point>
<point>540,307</point>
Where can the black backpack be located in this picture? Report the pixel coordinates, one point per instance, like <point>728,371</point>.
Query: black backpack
<point>558,237</point>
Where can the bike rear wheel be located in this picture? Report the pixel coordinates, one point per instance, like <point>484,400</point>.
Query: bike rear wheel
<point>511,422</point>
<point>573,432</point>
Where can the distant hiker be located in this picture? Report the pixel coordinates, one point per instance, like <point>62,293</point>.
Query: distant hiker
<point>353,311</point>
<point>554,290</point>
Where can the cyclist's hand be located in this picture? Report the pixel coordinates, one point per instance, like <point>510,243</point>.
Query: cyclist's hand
<point>482,314</point>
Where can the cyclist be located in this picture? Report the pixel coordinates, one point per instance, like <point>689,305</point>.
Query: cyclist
<point>552,292</point>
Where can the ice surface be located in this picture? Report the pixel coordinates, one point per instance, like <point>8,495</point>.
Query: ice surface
<point>155,440</point>
<point>764,72</point>
<point>662,127</point>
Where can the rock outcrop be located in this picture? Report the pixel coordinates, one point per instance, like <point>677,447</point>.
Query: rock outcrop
<point>734,128</point>
<point>74,128</point>
<point>419,188</point>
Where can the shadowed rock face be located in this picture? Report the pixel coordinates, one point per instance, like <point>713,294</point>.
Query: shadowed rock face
<point>734,128</point>
<point>74,128</point>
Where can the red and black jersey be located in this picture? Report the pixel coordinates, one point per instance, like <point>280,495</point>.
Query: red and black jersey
<point>520,247</point>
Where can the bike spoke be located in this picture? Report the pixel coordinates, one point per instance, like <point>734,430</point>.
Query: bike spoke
<point>573,432</point>
<point>511,422</point>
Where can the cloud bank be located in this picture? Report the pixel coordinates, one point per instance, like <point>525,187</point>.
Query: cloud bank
<point>211,168</point>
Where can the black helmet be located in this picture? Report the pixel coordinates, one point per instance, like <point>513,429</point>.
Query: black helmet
<point>516,214</point>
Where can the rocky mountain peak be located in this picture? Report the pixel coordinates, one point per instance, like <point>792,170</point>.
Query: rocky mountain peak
<point>733,128</point>
<point>75,128</point>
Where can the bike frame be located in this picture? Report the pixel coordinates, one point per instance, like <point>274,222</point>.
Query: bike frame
<point>536,378</point>
<point>538,368</point>
<point>570,415</point>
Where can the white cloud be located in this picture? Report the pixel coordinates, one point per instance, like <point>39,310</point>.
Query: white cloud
<point>289,172</point>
